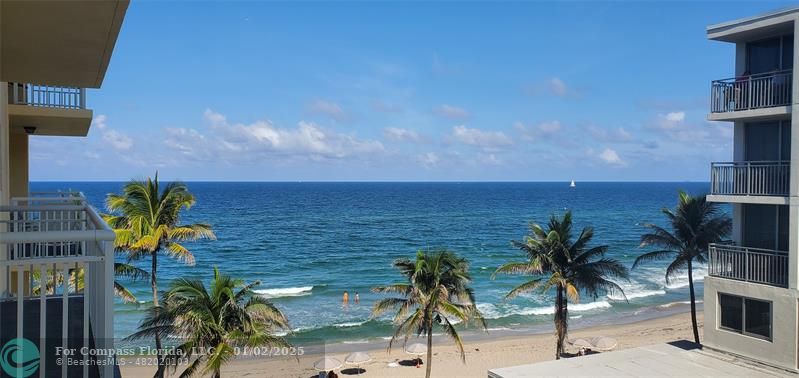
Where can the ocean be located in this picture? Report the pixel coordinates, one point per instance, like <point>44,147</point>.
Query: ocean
<point>309,242</point>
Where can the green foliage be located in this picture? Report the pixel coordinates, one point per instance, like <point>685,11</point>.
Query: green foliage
<point>436,293</point>
<point>694,225</point>
<point>569,266</point>
<point>226,315</point>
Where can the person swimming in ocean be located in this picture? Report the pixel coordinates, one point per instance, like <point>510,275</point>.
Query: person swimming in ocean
<point>357,298</point>
<point>346,298</point>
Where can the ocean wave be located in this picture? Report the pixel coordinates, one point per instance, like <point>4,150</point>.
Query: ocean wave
<point>577,307</point>
<point>670,304</point>
<point>350,324</point>
<point>491,311</point>
<point>657,276</point>
<point>285,292</point>
<point>632,294</point>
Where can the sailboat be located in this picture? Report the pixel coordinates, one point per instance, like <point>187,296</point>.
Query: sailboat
<point>572,184</point>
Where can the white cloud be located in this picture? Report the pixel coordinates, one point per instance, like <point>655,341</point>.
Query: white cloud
<point>400,135</point>
<point>610,157</point>
<point>618,134</point>
<point>428,160</point>
<point>541,130</point>
<point>236,141</point>
<point>675,116</point>
<point>331,109</point>
<point>111,137</point>
<point>99,122</point>
<point>480,138</point>
<point>451,112</point>
<point>674,126</point>
<point>558,87</point>
<point>117,140</point>
<point>491,159</point>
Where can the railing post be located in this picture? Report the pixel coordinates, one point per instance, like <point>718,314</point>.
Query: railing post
<point>83,98</point>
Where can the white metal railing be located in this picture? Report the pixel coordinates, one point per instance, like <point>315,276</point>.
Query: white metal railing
<point>751,92</point>
<point>46,96</point>
<point>756,265</point>
<point>46,250</point>
<point>750,178</point>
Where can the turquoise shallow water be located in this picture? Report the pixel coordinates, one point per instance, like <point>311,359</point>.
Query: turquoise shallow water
<point>309,242</point>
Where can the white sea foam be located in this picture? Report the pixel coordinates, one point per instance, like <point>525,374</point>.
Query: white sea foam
<point>575,317</point>
<point>350,324</point>
<point>285,292</point>
<point>491,311</point>
<point>667,305</point>
<point>355,341</point>
<point>635,293</point>
<point>577,307</point>
<point>657,276</point>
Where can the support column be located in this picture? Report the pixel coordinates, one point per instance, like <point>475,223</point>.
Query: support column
<point>18,158</point>
<point>793,223</point>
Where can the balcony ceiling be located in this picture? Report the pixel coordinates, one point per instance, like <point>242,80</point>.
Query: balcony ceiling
<point>61,43</point>
<point>753,28</point>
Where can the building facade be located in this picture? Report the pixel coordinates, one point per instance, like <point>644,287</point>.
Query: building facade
<point>56,253</point>
<point>751,296</point>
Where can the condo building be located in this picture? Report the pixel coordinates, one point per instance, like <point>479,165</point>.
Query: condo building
<point>56,253</point>
<point>751,294</point>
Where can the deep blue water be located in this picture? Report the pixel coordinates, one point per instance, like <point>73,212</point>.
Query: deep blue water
<point>309,242</point>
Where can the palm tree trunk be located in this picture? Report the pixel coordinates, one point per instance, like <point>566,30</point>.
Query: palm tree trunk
<point>429,366</point>
<point>559,322</point>
<point>154,285</point>
<point>693,301</point>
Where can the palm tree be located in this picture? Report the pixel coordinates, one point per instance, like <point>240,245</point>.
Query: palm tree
<point>568,266</point>
<point>131,272</point>
<point>436,294</point>
<point>216,320</point>
<point>76,280</point>
<point>146,221</point>
<point>695,224</point>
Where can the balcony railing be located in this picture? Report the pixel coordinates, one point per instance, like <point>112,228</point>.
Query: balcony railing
<point>46,96</point>
<point>763,266</point>
<point>751,92</point>
<point>750,178</point>
<point>57,258</point>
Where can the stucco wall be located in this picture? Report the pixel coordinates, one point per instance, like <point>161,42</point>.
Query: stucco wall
<point>781,351</point>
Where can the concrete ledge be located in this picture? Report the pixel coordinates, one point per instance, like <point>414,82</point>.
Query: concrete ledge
<point>762,114</point>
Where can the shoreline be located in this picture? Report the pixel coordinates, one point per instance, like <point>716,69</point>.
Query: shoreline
<point>483,351</point>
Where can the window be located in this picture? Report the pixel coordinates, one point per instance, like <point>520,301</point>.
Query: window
<point>769,55</point>
<point>758,317</point>
<point>731,312</point>
<point>747,316</point>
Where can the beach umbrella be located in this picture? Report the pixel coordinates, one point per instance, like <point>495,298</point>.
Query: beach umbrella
<point>417,349</point>
<point>358,358</point>
<point>581,343</point>
<point>327,363</point>
<point>604,343</point>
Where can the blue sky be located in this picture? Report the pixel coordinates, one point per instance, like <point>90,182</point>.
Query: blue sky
<point>535,91</point>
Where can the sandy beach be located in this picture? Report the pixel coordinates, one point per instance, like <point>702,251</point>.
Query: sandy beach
<point>481,353</point>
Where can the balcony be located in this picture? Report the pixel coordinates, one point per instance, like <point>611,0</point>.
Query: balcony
<point>750,178</point>
<point>48,242</point>
<point>752,96</point>
<point>48,110</point>
<point>762,266</point>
